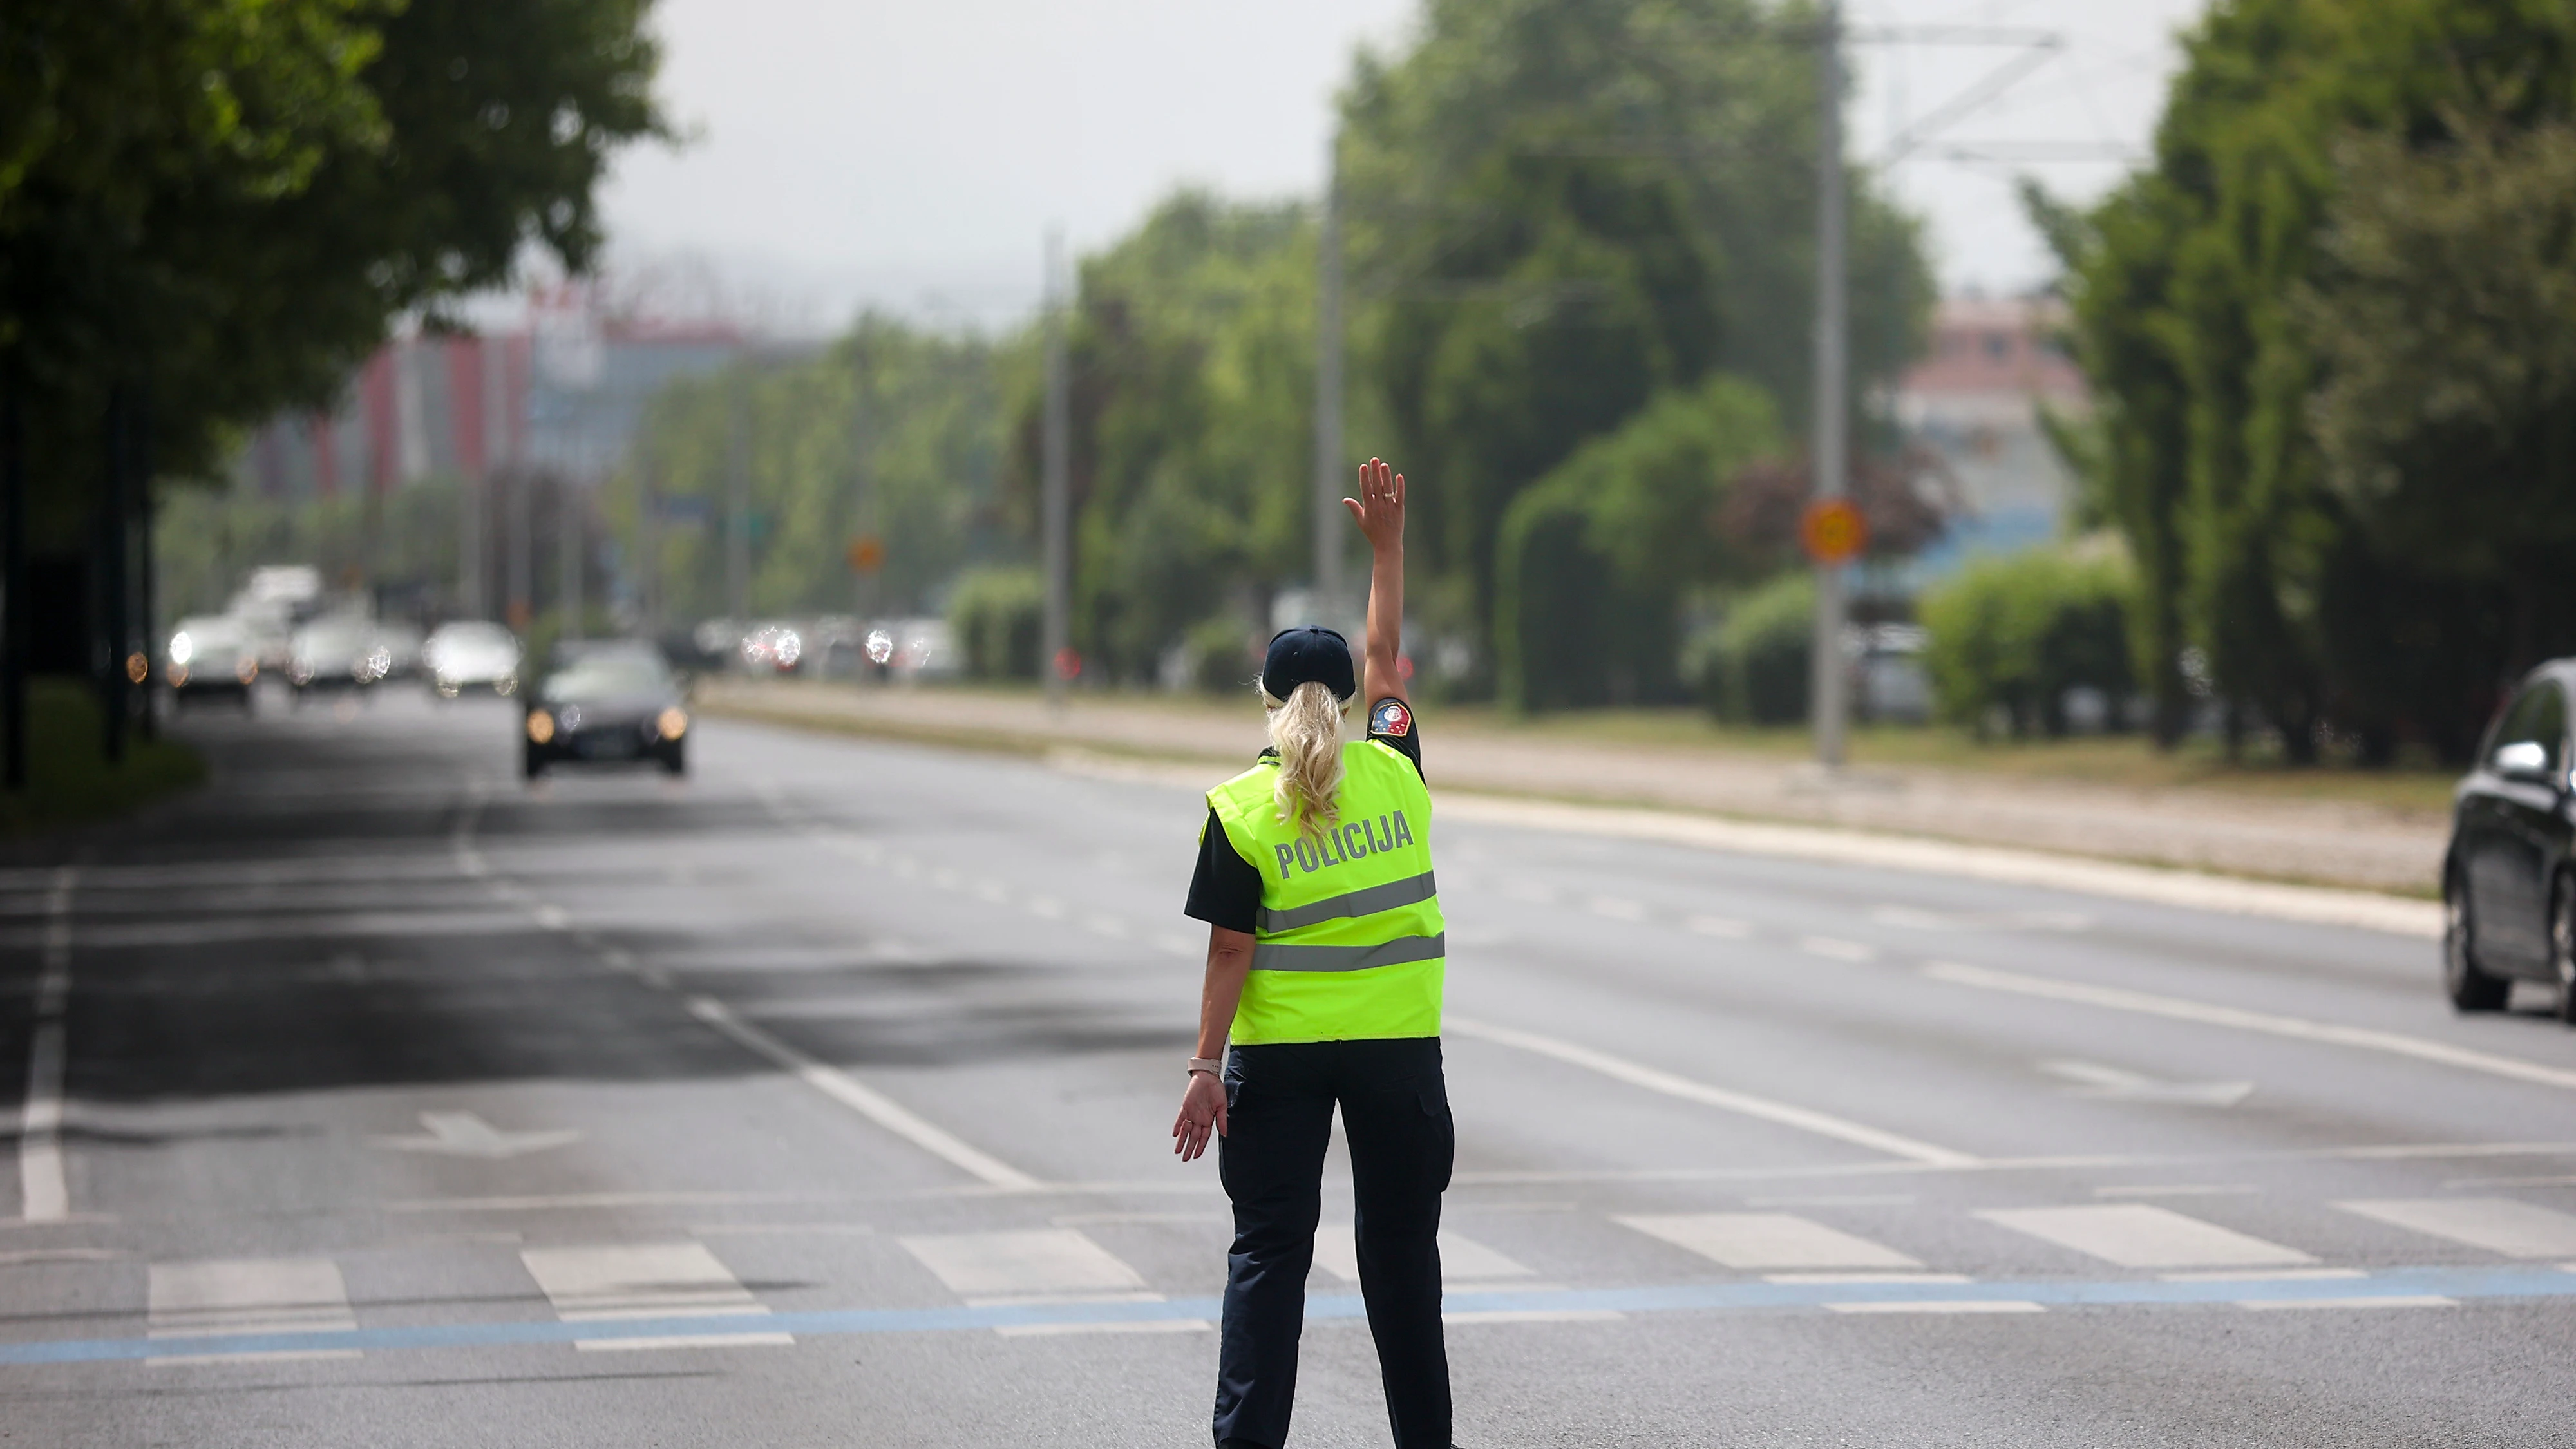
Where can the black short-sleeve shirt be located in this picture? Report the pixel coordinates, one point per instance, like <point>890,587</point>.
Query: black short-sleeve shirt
<point>1226,888</point>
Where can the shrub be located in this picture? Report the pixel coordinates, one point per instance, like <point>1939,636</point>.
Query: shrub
<point>994,614</point>
<point>2010,636</point>
<point>1752,664</point>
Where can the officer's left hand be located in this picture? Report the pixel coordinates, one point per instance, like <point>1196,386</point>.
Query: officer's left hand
<point>1202,1112</point>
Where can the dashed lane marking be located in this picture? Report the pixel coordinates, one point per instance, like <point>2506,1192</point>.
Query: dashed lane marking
<point>2142,1235</point>
<point>2210,1014</point>
<point>646,1281</point>
<point>1767,1240</point>
<point>1037,1264</point>
<point>249,1297</point>
<point>1462,1259</point>
<point>1636,1074</point>
<point>44,1193</point>
<point>2499,1225</point>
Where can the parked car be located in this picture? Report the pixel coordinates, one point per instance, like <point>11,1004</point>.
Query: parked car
<point>210,656</point>
<point>471,654</point>
<point>2508,883</point>
<point>338,651</point>
<point>607,701</point>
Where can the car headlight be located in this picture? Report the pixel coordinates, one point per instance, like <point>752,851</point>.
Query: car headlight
<point>182,648</point>
<point>671,723</point>
<point>541,726</point>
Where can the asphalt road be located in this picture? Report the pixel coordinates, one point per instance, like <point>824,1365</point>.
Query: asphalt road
<point>372,1097</point>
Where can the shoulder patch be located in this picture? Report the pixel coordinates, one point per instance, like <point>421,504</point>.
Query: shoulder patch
<point>1391,718</point>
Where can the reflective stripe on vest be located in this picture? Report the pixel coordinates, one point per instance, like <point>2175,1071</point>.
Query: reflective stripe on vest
<point>1349,943</point>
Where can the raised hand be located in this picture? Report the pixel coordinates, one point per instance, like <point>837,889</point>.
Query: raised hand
<point>1380,507</point>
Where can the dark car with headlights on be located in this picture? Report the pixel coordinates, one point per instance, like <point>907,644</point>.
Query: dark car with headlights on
<point>608,702</point>
<point>2508,879</point>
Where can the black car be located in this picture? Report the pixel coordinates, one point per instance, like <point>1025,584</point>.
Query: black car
<point>2508,882</point>
<point>608,702</point>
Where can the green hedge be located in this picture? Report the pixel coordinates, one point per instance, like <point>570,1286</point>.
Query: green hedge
<point>1751,665</point>
<point>69,781</point>
<point>2011,635</point>
<point>994,615</point>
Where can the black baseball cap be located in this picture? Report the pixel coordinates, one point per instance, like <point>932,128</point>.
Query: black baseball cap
<point>1308,654</point>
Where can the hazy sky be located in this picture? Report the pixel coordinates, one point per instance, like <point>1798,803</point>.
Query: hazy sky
<point>912,156</point>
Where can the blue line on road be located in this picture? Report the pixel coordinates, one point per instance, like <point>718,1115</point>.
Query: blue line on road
<point>2455,1283</point>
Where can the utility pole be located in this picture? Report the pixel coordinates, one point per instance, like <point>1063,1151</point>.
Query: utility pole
<point>1056,486</point>
<point>1825,692</point>
<point>1328,394</point>
<point>738,497</point>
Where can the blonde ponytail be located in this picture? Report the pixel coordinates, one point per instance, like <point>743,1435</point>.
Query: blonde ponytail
<point>1306,729</point>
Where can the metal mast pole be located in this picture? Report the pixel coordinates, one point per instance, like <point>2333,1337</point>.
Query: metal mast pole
<point>738,499</point>
<point>1056,484</point>
<point>1328,396</point>
<point>1832,375</point>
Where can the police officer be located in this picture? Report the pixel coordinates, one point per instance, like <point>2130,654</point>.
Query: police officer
<point>1324,971</point>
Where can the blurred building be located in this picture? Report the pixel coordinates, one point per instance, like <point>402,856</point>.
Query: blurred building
<point>1975,403</point>
<point>564,394</point>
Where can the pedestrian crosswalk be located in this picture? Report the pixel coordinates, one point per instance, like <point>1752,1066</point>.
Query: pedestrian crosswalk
<point>646,1280</point>
<point>249,1297</point>
<point>1876,1257</point>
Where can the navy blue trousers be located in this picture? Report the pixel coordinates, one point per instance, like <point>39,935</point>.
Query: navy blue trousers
<point>1279,1117</point>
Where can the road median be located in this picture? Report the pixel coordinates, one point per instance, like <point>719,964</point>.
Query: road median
<point>2355,866</point>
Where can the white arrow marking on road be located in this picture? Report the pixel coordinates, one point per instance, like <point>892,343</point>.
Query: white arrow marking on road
<point>463,1134</point>
<point>2092,1079</point>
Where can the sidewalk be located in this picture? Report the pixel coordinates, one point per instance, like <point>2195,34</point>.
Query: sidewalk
<point>2318,842</point>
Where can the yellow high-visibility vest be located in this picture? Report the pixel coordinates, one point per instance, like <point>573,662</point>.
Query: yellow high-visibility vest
<point>1349,945</point>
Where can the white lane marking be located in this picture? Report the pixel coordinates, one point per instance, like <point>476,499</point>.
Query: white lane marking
<point>2117,1084</point>
<point>1534,1315</point>
<point>1822,1124</point>
<point>2296,1028</point>
<point>1148,1325</point>
<point>2499,1225</point>
<point>1849,1199</point>
<point>1837,950</point>
<point>2142,1235</point>
<point>552,917</point>
<point>581,1201</point>
<point>1910,918</point>
<point>646,1280</point>
<point>2178,1189</point>
<point>866,1101</point>
<point>2390,1300</point>
<point>1462,1259</point>
<point>1940,1305</point>
<point>1109,926</point>
<point>1617,908</point>
<point>1720,926</point>
<point>44,1193</point>
<point>1867,1278</point>
<point>1036,1263</point>
<point>465,1134</point>
<point>2550,1180</point>
<point>249,1295</point>
<point>2261,1275</point>
<point>460,839</point>
<point>1767,1240</point>
<point>22,1257</point>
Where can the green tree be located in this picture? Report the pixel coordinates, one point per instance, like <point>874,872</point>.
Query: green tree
<point>2197,303</point>
<point>1561,210</point>
<point>1596,557</point>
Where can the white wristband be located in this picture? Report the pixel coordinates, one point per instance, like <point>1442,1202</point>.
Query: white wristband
<point>1209,1065</point>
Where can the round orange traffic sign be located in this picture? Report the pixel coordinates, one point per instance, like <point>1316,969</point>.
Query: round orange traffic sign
<point>1833,531</point>
<point>867,553</point>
